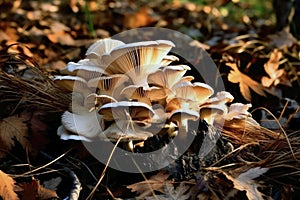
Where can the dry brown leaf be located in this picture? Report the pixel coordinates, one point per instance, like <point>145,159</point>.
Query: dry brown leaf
<point>271,68</point>
<point>155,183</point>
<point>245,182</point>
<point>7,187</point>
<point>141,18</point>
<point>245,82</point>
<point>34,190</point>
<point>14,127</point>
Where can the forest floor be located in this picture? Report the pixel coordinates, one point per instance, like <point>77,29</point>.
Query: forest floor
<point>50,34</point>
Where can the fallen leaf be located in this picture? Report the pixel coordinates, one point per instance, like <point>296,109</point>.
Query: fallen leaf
<point>14,127</point>
<point>141,18</point>
<point>7,187</point>
<point>155,183</point>
<point>245,82</point>
<point>33,190</point>
<point>245,182</point>
<point>271,68</point>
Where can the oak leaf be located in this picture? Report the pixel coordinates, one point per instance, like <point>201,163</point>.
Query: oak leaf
<point>155,183</point>
<point>13,127</point>
<point>245,82</point>
<point>7,187</point>
<point>245,182</point>
<point>33,190</point>
<point>271,67</point>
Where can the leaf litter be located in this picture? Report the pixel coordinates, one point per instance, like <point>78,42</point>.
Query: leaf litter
<point>255,71</point>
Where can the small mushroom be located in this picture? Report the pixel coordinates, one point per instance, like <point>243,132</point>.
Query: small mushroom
<point>126,110</point>
<point>72,84</point>
<point>127,131</point>
<point>189,96</point>
<point>168,77</point>
<point>86,69</point>
<point>67,135</point>
<point>101,47</point>
<point>93,101</point>
<point>181,118</point>
<point>168,59</point>
<point>222,97</point>
<point>109,85</point>
<point>140,94</point>
<point>208,112</point>
<point>238,111</point>
<point>85,124</point>
<point>137,60</point>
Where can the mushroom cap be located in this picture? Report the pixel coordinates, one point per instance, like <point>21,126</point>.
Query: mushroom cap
<point>238,111</point>
<point>141,94</point>
<point>208,112</point>
<point>93,101</point>
<point>72,83</point>
<point>137,60</point>
<point>101,47</point>
<point>182,115</point>
<point>168,59</point>
<point>126,110</point>
<point>109,85</point>
<point>86,68</point>
<point>168,76</point>
<point>221,98</point>
<point>67,135</point>
<point>84,124</point>
<point>198,92</point>
<point>127,131</point>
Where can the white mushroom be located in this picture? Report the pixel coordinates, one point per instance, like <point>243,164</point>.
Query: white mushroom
<point>85,124</point>
<point>72,84</point>
<point>109,85</point>
<point>86,68</point>
<point>140,94</point>
<point>93,101</point>
<point>101,47</point>
<point>137,60</point>
<point>208,112</point>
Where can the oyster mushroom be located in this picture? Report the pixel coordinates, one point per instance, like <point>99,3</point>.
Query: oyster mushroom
<point>109,85</point>
<point>101,47</point>
<point>137,60</point>
<point>86,68</point>
<point>189,96</point>
<point>93,101</point>
<point>208,112</point>
<point>168,59</point>
<point>129,121</point>
<point>133,92</point>
<point>168,77</point>
<point>86,125</point>
<point>72,84</point>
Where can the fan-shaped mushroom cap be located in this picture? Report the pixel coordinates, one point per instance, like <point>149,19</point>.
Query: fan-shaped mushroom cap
<point>67,135</point>
<point>127,130</point>
<point>126,110</point>
<point>137,60</point>
<point>168,76</point>
<point>238,111</point>
<point>140,94</point>
<point>208,112</point>
<point>72,83</point>
<point>168,59</point>
<point>109,85</point>
<point>180,116</point>
<point>93,101</point>
<point>101,47</point>
<point>221,98</point>
<point>85,124</point>
<point>86,68</point>
<point>199,92</point>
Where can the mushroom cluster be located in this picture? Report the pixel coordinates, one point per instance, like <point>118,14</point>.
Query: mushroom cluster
<point>124,90</point>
